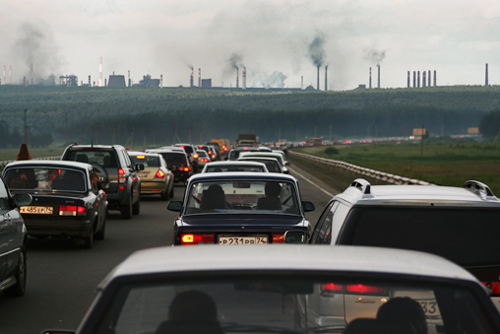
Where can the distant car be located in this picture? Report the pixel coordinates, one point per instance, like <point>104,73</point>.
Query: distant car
<point>156,178</point>
<point>177,162</point>
<point>277,155</point>
<point>211,151</point>
<point>239,208</point>
<point>272,164</point>
<point>458,223</point>
<point>66,202</point>
<point>13,248</point>
<point>276,289</point>
<point>191,153</point>
<point>114,167</point>
<point>203,158</point>
<point>235,153</point>
<point>235,166</point>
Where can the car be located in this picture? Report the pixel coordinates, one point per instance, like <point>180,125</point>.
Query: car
<point>278,156</point>
<point>114,167</point>
<point>177,161</point>
<point>156,178</point>
<point>66,201</point>
<point>272,164</point>
<point>211,151</point>
<point>235,153</point>
<point>239,208</point>
<point>203,158</point>
<point>235,166</point>
<point>266,289</point>
<point>13,239</point>
<point>191,153</point>
<point>460,224</point>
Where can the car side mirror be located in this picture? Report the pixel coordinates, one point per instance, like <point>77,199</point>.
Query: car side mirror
<point>139,167</point>
<point>295,237</point>
<point>175,206</point>
<point>287,164</point>
<point>22,199</point>
<point>308,206</point>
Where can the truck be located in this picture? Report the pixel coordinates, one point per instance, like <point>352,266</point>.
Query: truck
<point>247,139</point>
<point>223,145</point>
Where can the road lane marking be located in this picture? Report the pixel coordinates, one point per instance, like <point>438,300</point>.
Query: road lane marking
<point>311,182</point>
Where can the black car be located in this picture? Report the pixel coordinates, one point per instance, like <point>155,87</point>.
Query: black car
<point>114,168</point>
<point>239,208</point>
<point>178,163</point>
<point>66,201</point>
<point>13,237</point>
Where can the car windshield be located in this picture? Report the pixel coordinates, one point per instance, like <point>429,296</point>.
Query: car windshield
<point>438,231</point>
<point>146,160</point>
<point>45,179</point>
<point>242,197</point>
<point>248,304</point>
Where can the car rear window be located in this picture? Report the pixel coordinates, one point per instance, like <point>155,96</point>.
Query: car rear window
<point>174,158</point>
<point>146,160</point>
<point>465,236</point>
<point>46,179</point>
<point>100,157</point>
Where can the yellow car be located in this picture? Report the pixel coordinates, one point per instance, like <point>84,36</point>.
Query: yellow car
<point>156,178</point>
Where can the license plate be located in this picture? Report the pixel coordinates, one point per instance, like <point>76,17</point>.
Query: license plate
<point>39,210</point>
<point>236,240</point>
<point>430,308</point>
<point>142,174</point>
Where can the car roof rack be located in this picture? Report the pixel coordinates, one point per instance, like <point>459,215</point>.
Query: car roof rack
<point>478,187</point>
<point>363,185</point>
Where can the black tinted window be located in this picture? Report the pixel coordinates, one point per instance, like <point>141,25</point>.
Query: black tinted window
<point>102,158</point>
<point>465,236</point>
<point>174,158</point>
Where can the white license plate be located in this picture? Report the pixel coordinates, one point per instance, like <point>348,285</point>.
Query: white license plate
<point>430,308</point>
<point>39,210</point>
<point>142,174</point>
<point>236,240</point>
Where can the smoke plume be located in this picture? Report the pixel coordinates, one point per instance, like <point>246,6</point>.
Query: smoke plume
<point>263,80</point>
<point>316,50</point>
<point>374,56</point>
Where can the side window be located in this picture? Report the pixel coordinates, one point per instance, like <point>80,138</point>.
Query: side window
<point>127,159</point>
<point>321,222</point>
<point>4,197</point>
<point>338,220</point>
<point>325,233</point>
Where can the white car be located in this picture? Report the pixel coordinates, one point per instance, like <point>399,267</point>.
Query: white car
<point>235,166</point>
<point>269,289</point>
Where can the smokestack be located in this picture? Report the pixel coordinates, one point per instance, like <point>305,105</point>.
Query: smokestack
<point>486,76</point>
<point>10,74</point>
<point>408,80</point>
<point>100,71</point>
<point>4,71</point>
<point>191,82</point>
<point>129,78</point>
<point>199,77</point>
<point>434,78</point>
<point>161,80</point>
<point>418,79</point>
<point>414,79</point>
<point>301,82</point>
<point>326,75</point>
<point>244,85</point>
<point>318,75</point>
<point>429,78</point>
<point>378,82</point>
<point>370,80</point>
<point>31,70</point>
<point>89,82</point>
<point>424,81</point>
<point>237,77</point>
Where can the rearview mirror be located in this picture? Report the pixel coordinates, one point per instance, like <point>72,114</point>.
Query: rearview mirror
<point>308,206</point>
<point>23,199</point>
<point>139,167</point>
<point>295,237</point>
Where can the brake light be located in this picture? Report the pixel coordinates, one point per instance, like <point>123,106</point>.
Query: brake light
<point>200,146</point>
<point>203,160</point>
<point>209,152</point>
<point>141,157</point>
<point>193,239</point>
<point>368,289</point>
<point>160,173</point>
<point>72,210</point>
<point>245,148</point>
<point>182,146</point>
<point>278,238</point>
<point>195,156</point>
<point>184,169</point>
<point>331,287</point>
<point>121,175</point>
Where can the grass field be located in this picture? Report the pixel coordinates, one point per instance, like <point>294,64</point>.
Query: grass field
<point>10,154</point>
<point>450,163</point>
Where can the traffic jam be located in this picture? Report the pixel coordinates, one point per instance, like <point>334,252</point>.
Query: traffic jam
<point>244,254</point>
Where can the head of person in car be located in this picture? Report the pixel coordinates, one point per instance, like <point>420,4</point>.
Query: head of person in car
<point>404,313</point>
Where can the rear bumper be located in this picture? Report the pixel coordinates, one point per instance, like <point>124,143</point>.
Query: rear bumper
<point>58,227</point>
<point>153,187</point>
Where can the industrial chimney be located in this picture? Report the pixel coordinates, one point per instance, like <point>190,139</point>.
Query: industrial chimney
<point>100,71</point>
<point>301,82</point>
<point>408,80</point>
<point>244,84</point>
<point>424,80</point>
<point>237,77</point>
<point>378,85</point>
<point>191,81</point>
<point>486,76</point>
<point>434,78</point>
<point>199,77</point>
<point>370,80</point>
<point>429,78</point>
<point>326,75</point>
<point>418,79</point>
<point>318,76</point>
<point>414,79</point>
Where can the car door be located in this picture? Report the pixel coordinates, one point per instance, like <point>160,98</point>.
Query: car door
<point>136,185</point>
<point>11,232</point>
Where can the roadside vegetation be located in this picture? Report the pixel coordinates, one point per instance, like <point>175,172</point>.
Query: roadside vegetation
<point>443,161</point>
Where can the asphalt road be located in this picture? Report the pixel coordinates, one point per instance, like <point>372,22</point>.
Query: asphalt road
<point>62,278</point>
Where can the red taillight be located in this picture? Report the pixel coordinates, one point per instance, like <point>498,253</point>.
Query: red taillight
<point>362,289</point>
<point>203,160</point>
<point>245,148</point>
<point>200,146</point>
<point>193,239</point>
<point>494,286</point>
<point>72,210</point>
<point>160,173</point>
<point>184,169</point>
<point>182,146</point>
<point>121,175</point>
<point>209,152</point>
<point>195,156</point>
<point>331,287</point>
<point>278,238</point>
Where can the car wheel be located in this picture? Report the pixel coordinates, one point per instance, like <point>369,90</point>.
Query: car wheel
<point>100,235</point>
<point>88,242</point>
<point>126,210</point>
<point>136,208</point>
<point>19,288</point>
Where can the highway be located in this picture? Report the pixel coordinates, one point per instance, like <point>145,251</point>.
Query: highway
<point>62,278</point>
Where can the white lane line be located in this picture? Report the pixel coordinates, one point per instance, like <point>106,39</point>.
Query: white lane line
<point>311,182</point>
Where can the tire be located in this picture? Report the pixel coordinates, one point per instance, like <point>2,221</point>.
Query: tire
<point>100,235</point>
<point>19,288</point>
<point>136,208</point>
<point>126,210</point>
<point>88,242</point>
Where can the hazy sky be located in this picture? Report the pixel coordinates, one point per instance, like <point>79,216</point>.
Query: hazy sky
<point>166,37</point>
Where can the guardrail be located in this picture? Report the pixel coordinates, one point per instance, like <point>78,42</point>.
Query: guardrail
<point>6,162</point>
<point>382,176</point>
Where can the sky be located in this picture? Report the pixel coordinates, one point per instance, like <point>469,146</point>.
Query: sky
<point>278,41</point>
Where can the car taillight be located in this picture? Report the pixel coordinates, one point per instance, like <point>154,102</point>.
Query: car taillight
<point>184,169</point>
<point>160,173</point>
<point>195,156</point>
<point>194,239</point>
<point>209,152</point>
<point>72,210</point>
<point>365,289</point>
<point>493,286</point>
<point>278,238</point>
<point>141,157</point>
<point>121,175</point>
<point>331,287</point>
